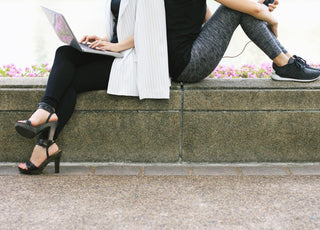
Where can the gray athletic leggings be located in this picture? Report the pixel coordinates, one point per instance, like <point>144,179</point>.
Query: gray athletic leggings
<point>212,42</point>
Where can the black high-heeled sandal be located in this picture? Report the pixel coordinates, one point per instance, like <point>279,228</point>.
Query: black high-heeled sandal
<point>34,170</point>
<point>30,131</point>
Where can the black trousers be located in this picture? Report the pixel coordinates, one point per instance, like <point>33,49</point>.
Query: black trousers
<point>74,72</point>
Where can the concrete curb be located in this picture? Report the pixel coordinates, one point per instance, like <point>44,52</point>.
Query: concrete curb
<point>116,169</point>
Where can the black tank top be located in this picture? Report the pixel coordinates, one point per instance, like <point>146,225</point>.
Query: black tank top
<point>115,7</point>
<point>184,22</point>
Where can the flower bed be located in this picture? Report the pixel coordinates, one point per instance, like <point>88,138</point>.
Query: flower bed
<point>245,71</point>
<point>222,71</point>
<point>11,70</point>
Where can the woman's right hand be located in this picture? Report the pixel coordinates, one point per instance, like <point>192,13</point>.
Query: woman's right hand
<point>90,38</point>
<point>269,18</point>
<point>274,28</point>
<point>271,6</point>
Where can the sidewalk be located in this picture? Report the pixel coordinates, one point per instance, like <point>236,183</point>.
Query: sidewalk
<point>132,196</point>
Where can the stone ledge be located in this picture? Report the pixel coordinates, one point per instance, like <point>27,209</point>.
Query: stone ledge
<point>91,169</point>
<point>238,84</point>
<point>24,82</point>
<point>234,120</point>
<point>232,84</point>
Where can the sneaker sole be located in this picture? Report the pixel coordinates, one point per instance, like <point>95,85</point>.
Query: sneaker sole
<point>276,77</point>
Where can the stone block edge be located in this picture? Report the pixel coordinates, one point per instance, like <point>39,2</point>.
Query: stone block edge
<point>6,82</point>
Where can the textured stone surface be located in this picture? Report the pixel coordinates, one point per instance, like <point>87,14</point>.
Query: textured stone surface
<point>172,169</point>
<point>262,84</point>
<point>9,171</point>
<point>214,171</point>
<point>211,121</point>
<point>70,171</point>
<point>41,82</point>
<point>265,171</point>
<point>159,202</point>
<point>262,100</point>
<point>103,128</point>
<point>13,147</point>
<point>100,100</point>
<point>23,82</point>
<point>305,170</point>
<point>251,136</point>
<point>28,99</point>
<point>121,136</point>
<point>166,170</point>
<point>246,120</point>
<point>103,136</point>
<point>118,170</point>
<point>20,99</point>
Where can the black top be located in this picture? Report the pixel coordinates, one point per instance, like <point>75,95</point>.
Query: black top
<point>184,22</point>
<point>115,7</point>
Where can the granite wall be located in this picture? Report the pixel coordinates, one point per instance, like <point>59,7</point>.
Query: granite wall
<point>236,120</point>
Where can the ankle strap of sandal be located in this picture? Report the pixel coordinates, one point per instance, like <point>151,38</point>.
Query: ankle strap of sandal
<point>46,144</point>
<point>48,108</point>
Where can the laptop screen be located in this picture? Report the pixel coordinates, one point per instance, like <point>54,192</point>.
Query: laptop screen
<point>60,26</point>
<point>65,34</point>
<point>62,29</point>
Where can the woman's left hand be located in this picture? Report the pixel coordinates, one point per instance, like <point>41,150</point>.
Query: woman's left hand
<point>272,6</point>
<point>104,45</point>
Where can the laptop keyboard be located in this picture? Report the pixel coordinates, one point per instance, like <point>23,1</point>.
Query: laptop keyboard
<point>86,46</point>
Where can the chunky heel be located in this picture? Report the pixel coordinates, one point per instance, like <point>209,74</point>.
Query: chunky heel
<point>57,163</point>
<point>32,169</point>
<point>26,129</point>
<point>53,127</point>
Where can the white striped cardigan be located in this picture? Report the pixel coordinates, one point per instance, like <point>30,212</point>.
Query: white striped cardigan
<point>143,71</point>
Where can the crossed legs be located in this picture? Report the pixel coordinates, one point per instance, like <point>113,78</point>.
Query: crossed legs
<point>73,72</point>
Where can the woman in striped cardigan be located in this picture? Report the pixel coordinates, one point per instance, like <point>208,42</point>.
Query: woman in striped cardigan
<point>137,29</point>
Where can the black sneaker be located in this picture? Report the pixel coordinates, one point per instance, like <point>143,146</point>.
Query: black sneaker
<point>294,71</point>
<point>304,62</point>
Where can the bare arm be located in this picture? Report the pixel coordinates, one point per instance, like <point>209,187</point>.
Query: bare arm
<point>114,47</point>
<point>126,44</point>
<point>254,9</point>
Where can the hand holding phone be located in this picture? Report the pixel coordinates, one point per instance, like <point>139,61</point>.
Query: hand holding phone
<point>267,2</point>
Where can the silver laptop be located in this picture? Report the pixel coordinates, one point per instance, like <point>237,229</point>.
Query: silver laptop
<point>65,34</point>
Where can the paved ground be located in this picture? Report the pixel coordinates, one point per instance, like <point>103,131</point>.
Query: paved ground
<point>272,196</point>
